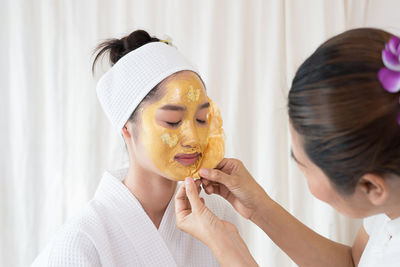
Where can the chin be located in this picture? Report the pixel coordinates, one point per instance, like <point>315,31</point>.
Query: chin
<point>354,215</point>
<point>181,173</point>
<point>172,176</point>
<point>176,171</point>
<point>177,177</point>
<point>352,212</point>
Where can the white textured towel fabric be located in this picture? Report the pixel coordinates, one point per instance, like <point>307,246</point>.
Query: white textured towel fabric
<point>121,89</point>
<point>114,230</point>
<point>383,247</point>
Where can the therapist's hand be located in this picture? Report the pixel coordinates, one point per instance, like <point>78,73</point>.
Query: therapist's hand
<point>231,180</point>
<point>193,217</point>
<point>222,237</point>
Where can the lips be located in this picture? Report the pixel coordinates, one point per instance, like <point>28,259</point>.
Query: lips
<point>187,159</point>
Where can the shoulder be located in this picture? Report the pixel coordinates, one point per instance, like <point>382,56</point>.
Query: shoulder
<point>70,248</point>
<point>89,221</point>
<point>73,244</point>
<point>373,223</point>
<point>73,248</point>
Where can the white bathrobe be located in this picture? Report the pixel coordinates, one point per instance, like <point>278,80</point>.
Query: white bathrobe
<point>114,230</point>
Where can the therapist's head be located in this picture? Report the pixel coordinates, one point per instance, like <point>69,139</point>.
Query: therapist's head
<point>344,124</point>
<point>171,129</point>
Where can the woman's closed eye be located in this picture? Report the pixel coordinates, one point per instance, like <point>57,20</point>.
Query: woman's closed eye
<point>173,124</point>
<point>169,118</point>
<point>201,121</point>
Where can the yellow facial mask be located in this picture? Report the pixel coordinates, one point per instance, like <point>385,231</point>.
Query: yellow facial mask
<point>182,132</point>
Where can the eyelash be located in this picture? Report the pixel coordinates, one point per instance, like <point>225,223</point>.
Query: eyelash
<point>175,124</point>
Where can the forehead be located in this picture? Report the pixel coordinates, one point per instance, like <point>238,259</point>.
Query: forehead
<point>183,87</point>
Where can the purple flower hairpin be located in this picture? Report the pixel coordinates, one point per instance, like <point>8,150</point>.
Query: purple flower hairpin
<point>389,76</point>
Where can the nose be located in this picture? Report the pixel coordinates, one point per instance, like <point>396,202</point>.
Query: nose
<point>189,133</point>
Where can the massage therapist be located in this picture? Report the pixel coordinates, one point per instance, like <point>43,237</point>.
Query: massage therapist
<point>344,116</point>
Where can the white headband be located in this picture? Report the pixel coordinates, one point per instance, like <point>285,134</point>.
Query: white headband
<point>121,89</point>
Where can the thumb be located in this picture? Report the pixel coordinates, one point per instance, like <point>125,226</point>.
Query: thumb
<point>193,194</point>
<point>215,176</point>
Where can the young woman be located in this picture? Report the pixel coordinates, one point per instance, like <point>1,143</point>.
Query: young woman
<point>158,102</point>
<point>344,113</point>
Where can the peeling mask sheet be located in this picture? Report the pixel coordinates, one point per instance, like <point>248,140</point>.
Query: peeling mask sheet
<point>182,132</point>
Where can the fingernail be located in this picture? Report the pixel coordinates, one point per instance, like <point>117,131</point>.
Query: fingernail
<point>188,180</point>
<point>204,172</point>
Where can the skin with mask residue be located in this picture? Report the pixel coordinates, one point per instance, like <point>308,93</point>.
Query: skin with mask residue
<point>170,141</point>
<point>182,132</point>
<point>193,94</point>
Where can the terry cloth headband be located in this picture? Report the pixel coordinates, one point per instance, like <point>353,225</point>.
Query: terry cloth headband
<point>121,89</point>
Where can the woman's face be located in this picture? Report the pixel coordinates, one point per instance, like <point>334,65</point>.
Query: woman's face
<point>353,205</point>
<point>174,131</point>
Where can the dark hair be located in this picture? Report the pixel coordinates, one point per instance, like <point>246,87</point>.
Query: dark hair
<point>347,121</point>
<point>117,48</point>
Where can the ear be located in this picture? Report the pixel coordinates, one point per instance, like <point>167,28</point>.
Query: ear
<point>374,188</point>
<point>126,132</point>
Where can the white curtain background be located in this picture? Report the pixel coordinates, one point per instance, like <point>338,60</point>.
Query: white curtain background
<point>55,141</point>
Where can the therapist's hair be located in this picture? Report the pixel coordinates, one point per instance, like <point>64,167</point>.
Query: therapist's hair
<point>345,118</point>
<point>117,48</point>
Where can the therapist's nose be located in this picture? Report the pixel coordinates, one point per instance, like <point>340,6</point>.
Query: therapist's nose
<point>189,133</point>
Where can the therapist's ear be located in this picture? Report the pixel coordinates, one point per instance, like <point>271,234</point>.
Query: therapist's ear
<point>375,188</point>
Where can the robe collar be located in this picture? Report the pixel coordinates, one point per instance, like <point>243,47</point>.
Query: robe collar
<point>129,213</point>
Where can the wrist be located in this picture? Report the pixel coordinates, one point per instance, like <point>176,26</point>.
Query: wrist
<point>215,238</point>
<point>263,207</point>
<point>230,250</point>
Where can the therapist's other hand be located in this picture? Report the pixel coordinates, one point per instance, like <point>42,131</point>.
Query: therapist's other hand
<point>222,237</point>
<point>193,217</point>
<point>231,180</point>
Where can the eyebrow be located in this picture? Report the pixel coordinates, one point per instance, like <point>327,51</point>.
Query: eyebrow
<point>295,159</point>
<point>173,107</point>
<point>205,105</point>
<point>180,108</point>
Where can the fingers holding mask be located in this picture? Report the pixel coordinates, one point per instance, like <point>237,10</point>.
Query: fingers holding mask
<point>231,180</point>
<point>183,205</point>
<point>192,216</point>
<point>192,189</point>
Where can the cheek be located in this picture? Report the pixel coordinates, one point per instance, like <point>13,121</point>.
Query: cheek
<point>203,135</point>
<point>156,139</point>
<point>160,143</point>
<point>319,188</point>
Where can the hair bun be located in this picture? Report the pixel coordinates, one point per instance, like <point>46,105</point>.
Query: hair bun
<point>117,48</point>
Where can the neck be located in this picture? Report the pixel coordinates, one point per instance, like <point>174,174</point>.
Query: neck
<point>153,191</point>
<point>392,207</point>
<point>393,212</point>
